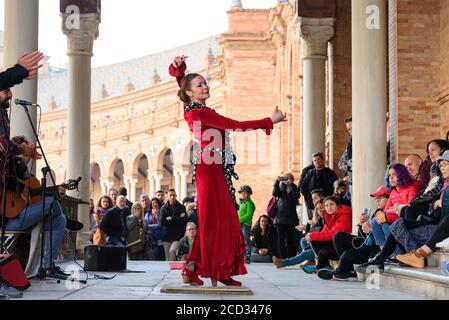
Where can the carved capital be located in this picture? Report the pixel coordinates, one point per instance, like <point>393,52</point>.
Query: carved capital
<point>81,31</point>
<point>314,34</point>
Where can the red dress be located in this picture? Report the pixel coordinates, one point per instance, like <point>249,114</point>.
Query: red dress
<point>219,248</point>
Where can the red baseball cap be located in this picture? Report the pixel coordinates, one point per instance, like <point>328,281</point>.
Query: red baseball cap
<point>381,191</point>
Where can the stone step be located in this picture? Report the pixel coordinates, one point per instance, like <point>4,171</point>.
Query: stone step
<point>429,282</point>
<point>437,258</point>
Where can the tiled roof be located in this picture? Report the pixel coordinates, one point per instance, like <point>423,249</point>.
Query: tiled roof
<point>138,71</point>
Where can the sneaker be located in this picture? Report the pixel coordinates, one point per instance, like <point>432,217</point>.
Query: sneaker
<point>10,292</point>
<point>4,297</point>
<point>372,265</point>
<point>350,276</point>
<point>443,244</point>
<point>325,274</point>
<point>410,259</point>
<point>309,269</point>
<point>247,260</point>
<point>57,271</point>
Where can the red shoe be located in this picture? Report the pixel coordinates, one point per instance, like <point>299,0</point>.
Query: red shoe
<point>191,277</point>
<point>231,282</point>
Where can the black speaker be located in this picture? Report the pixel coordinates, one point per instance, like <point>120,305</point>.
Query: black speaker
<point>102,258</point>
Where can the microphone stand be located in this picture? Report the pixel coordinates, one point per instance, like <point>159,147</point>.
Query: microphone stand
<point>46,170</point>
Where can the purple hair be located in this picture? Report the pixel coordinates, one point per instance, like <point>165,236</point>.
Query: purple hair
<point>403,176</point>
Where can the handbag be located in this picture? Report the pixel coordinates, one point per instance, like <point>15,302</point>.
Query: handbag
<point>272,207</point>
<point>136,246</point>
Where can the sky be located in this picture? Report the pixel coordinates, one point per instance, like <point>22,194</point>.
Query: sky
<point>142,28</point>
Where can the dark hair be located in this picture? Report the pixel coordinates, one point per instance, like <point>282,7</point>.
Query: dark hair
<point>187,199</point>
<point>403,176</point>
<point>110,205</point>
<point>443,144</point>
<point>160,191</point>
<point>122,191</point>
<point>348,120</point>
<point>332,198</point>
<point>19,139</point>
<point>186,86</point>
<point>257,229</point>
<point>319,191</point>
<point>318,154</point>
<point>171,190</point>
<point>157,200</point>
<point>447,136</point>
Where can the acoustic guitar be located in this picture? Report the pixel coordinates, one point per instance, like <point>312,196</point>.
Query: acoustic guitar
<point>15,203</point>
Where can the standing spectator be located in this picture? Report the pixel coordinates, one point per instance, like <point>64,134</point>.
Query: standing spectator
<point>286,218</point>
<point>192,212</point>
<point>114,222</point>
<point>155,230</point>
<point>145,203</point>
<point>173,219</point>
<point>345,162</point>
<point>91,215</point>
<point>186,243</point>
<point>342,193</point>
<point>246,213</point>
<point>418,169</point>
<point>137,228</point>
<point>264,240</point>
<point>113,194</point>
<point>124,192</point>
<point>301,181</point>
<point>161,196</point>
<point>104,204</point>
<point>320,177</point>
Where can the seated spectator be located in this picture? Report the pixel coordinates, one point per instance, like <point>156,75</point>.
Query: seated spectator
<point>407,236</point>
<point>403,190</point>
<point>137,228</point>
<point>356,249</point>
<point>342,193</point>
<point>307,254</point>
<point>104,204</point>
<point>264,242</point>
<point>192,212</point>
<point>186,243</point>
<point>424,201</point>
<point>113,223</point>
<point>337,218</point>
<point>416,258</point>
<point>418,169</point>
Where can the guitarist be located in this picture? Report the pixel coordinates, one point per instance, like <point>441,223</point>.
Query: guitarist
<point>31,215</point>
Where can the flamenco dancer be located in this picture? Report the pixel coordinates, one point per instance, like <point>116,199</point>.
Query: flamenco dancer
<point>219,248</point>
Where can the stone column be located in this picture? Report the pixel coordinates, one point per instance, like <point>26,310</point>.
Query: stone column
<point>21,35</point>
<point>80,41</point>
<point>132,189</point>
<point>314,34</point>
<point>369,100</point>
<point>158,178</point>
<point>177,175</point>
<point>184,174</point>
<point>152,190</point>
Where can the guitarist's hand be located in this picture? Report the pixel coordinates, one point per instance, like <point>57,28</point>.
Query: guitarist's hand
<point>26,196</point>
<point>61,190</point>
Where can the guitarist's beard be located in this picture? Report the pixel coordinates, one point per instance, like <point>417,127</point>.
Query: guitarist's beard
<point>5,104</point>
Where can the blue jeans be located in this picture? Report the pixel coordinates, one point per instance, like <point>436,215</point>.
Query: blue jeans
<point>246,230</point>
<point>300,258</point>
<point>32,216</point>
<point>380,232</point>
<point>304,245</point>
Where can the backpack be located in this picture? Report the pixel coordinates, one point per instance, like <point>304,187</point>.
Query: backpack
<point>272,207</point>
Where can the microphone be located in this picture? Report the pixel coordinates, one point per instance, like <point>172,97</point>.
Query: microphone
<point>25,103</point>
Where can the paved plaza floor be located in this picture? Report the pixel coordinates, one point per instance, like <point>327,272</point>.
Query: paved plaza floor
<point>145,279</point>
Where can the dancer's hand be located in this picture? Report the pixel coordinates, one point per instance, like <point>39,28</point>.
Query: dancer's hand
<point>278,116</point>
<point>178,61</point>
<point>30,61</point>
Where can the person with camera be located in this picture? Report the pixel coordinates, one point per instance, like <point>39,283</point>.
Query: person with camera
<point>286,217</point>
<point>342,193</point>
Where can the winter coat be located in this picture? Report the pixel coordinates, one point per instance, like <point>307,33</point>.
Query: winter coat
<point>286,204</point>
<point>176,227</point>
<point>340,221</point>
<point>402,196</point>
<point>246,212</point>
